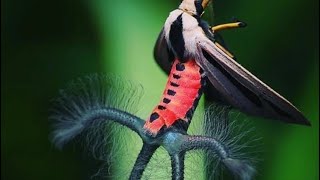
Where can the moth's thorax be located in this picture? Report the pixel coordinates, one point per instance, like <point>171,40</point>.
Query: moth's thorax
<point>193,7</point>
<point>182,32</point>
<point>188,6</point>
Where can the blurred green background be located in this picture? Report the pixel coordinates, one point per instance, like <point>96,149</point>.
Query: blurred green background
<point>45,44</point>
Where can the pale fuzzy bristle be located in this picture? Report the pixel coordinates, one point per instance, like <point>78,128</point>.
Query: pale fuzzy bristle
<point>236,136</point>
<point>115,147</point>
<point>82,96</point>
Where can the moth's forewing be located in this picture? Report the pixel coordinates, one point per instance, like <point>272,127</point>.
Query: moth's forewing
<point>243,90</point>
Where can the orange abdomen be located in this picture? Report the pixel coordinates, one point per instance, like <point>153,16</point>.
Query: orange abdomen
<point>179,98</point>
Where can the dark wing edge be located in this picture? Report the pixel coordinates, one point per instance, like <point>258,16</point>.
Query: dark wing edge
<point>242,89</point>
<point>163,56</point>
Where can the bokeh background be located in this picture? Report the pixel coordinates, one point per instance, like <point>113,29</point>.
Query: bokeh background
<point>45,44</point>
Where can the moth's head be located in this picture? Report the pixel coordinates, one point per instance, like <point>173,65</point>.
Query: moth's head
<point>194,7</point>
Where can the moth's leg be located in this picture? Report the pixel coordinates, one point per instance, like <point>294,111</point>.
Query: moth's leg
<point>228,26</point>
<point>224,50</point>
<point>142,160</point>
<point>177,164</point>
<point>220,27</point>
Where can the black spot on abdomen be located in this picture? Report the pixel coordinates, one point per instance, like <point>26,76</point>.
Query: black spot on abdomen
<point>171,92</point>
<point>176,76</point>
<point>174,84</point>
<point>154,116</point>
<point>180,67</point>
<point>161,107</point>
<point>166,100</point>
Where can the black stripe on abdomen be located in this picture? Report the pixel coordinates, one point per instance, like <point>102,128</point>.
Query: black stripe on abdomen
<point>176,37</point>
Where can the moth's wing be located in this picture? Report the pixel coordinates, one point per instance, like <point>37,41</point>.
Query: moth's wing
<point>243,90</point>
<point>212,95</point>
<point>163,56</point>
<point>210,92</point>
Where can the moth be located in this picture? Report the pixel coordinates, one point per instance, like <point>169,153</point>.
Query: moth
<point>186,37</point>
